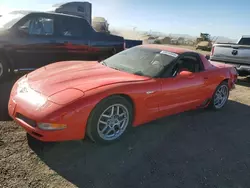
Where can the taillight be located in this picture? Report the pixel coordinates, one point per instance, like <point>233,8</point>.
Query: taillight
<point>212,51</point>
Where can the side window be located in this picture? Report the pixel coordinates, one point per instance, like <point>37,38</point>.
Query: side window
<point>188,62</point>
<point>80,9</point>
<point>39,26</point>
<point>71,27</point>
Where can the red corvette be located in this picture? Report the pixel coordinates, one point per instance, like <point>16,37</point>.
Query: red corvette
<point>69,100</point>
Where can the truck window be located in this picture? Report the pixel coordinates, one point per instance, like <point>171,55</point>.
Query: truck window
<point>39,26</point>
<point>71,27</point>
<point>244,41</point>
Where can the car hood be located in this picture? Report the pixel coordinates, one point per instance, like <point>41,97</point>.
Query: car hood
<point>82,75</point>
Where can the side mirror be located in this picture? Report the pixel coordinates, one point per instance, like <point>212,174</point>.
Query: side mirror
<point>185,74</point>
<point>207,57</point>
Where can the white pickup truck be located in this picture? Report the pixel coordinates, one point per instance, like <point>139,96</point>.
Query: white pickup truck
<point>236,54</point>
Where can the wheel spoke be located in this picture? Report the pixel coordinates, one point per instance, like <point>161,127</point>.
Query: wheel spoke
<point>103,122</point>
<point>118,110</point>
<point>109,131</point>
<point>122,120</point>
<point>112,111</point>
<point>217,100</point>
<point>121,115</point>
<point>105,128</point>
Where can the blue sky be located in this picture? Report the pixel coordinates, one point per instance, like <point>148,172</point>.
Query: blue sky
<point>218,17</point>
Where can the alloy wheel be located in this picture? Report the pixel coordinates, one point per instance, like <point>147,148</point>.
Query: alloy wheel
<point>221,96</point>
<point>113,122</point>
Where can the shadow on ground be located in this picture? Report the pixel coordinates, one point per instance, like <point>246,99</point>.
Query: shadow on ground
<point>5,89</point>
<point>193,149</point>
<point>244,81</point>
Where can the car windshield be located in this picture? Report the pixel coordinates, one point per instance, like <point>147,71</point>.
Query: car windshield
<point>140,60</point>
<point>8,20</point>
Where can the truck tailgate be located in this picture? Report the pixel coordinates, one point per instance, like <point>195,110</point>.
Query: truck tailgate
<point>234,54</point>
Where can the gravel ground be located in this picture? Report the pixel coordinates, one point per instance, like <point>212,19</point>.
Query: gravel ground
<point>194,149</point>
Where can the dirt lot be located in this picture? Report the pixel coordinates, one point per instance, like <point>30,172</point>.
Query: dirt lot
<point>193,149</point>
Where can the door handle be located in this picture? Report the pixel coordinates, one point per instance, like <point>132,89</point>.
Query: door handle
<point>205,78</point>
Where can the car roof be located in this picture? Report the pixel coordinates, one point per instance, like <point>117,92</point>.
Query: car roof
<point>168,48</point>
<point>41,12</point>
<point>59,14</point>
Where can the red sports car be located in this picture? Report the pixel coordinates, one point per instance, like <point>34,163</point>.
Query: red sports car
<point>69,100</point>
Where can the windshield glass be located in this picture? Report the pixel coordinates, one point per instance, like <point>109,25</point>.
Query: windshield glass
<point>8,20</point>
<point>244,41</point>
<point>140,61</point>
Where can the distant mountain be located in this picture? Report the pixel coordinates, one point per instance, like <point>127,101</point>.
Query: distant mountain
<point>136,34</point>
<point>186,36</point>
<point>222,39</point>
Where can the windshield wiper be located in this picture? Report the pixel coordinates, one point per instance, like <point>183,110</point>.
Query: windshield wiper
<point>103,63</point>
<point>116,68</point>
<point>139,73</point>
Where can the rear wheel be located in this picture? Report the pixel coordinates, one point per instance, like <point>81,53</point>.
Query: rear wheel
<point>220,97</point>
<point>109,120</point>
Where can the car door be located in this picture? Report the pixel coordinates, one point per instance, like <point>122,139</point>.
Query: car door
<point>181,92</point>
<point>74,38</point>
<point>34,42</point>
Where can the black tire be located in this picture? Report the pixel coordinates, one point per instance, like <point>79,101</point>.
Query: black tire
<point>92,125</point>
<point>4,69</point>
<point>212,105</point>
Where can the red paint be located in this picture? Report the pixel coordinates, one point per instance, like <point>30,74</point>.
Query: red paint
<point>74,88</point>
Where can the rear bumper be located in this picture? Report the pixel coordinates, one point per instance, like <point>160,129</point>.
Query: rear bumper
<point>245,68</point>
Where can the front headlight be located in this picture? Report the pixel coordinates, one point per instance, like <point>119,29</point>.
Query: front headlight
<point>66,96</point>
<point>25,92</point>
<point>51,126</point>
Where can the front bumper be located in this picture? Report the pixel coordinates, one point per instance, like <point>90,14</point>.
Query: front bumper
<point>27,115</point>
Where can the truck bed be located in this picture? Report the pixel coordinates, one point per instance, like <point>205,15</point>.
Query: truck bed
<point>235,54</point>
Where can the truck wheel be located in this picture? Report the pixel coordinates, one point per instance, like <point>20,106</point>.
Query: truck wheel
<point>3,69</point>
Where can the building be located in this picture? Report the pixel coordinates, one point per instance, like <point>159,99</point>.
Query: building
<point>82,9</point>
<point>148,39</point>
<point>180,40</point>
<point>164,40</point>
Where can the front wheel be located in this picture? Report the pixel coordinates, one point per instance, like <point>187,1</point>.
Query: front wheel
<point>220,97</point>
<point>109,120</point>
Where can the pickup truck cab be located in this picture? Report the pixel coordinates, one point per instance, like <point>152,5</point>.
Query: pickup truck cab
<point>236,54</point>
<point>30,40</point>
